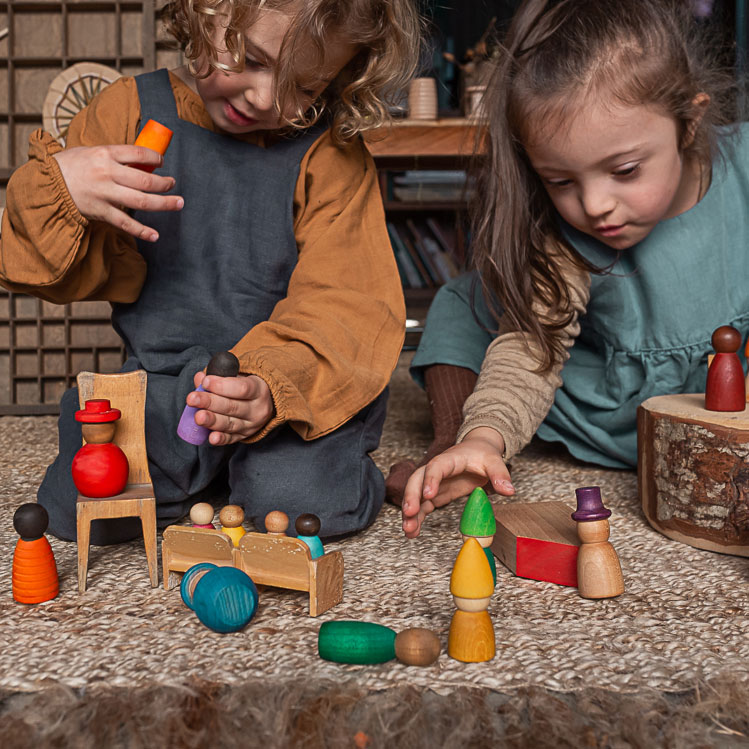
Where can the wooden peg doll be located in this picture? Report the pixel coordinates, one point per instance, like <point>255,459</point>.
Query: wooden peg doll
<point>34,577</point>
<point>599,574</point>
<point>725,389</point>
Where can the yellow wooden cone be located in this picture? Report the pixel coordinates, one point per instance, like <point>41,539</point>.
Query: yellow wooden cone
<point>472,575</point>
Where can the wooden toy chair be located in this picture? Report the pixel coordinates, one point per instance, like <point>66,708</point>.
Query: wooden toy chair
<point>126,391</point>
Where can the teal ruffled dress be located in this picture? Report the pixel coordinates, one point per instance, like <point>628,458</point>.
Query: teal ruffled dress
<point>649,322</point>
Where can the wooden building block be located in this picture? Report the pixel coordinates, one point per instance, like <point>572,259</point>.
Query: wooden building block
<point>693,472</point>
<point>537,540</point>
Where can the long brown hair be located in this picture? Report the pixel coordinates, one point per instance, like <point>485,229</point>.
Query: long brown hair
<point>388,34</point>
<point>556,53</point>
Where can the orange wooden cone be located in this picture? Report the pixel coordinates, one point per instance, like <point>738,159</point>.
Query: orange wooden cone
<point>471,637</point>
<point>34,576</point>
<point>155,136</point>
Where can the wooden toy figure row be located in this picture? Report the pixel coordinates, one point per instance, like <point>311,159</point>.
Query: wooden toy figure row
<point>587,561</point>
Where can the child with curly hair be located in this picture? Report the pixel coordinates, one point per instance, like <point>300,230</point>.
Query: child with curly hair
<point>261,232</point>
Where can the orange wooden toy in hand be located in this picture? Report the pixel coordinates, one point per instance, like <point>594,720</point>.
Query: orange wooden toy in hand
<point>155,136</point>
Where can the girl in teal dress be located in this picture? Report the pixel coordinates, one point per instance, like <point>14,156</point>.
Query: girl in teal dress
<point>611,237</point>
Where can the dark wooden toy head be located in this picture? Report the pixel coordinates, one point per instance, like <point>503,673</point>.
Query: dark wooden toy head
<point>30,521</point>
<point>726,339</point>
<point>307,524</point>
<point>223,364</point>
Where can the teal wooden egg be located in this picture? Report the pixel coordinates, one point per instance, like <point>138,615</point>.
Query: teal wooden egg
<point>223,598</point>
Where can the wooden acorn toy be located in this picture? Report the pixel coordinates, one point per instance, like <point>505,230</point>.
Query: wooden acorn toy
<point>34,577</point>
<point>223,598</point>
<point>478,521</point>
<point>307,526</point>
<point>222,364</point>
<point>725,389</point>
<point>471,637</point>
<point>231,518</point>
<point>155,136</point>
<point>201,515</point>
<point>100,468</point>
<point>599,574</point>
<point>366,643</point>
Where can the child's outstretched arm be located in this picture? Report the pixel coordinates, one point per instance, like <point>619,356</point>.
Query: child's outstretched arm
<point>61,251</point>
<point>455,473</point>
<point>510,400</point>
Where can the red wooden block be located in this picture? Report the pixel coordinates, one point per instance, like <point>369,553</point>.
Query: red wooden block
<point>537,540</point>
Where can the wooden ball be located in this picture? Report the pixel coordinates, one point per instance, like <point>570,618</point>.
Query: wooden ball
<point>223,364</point>
<point>98,434</point>
<point>30,520</point>
<point>726,339</point>
<point>276,522</point>
<point>202,513</point>
<point>307,524</point>
<point>593,532</point>
<point>417,647</point>
<point>231,516</point>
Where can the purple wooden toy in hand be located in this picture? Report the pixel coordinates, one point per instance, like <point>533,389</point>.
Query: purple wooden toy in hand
<point>222,364</point>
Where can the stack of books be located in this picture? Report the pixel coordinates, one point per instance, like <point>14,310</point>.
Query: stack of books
<point>425,251</point>
<point>431,186</point>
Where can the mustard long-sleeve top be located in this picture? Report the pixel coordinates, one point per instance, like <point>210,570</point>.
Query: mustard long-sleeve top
<point>329,347</point>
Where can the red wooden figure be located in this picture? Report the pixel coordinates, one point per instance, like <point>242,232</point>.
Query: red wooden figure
<point>34,576</point>
<point>726,388</point>
<point>100,468</point>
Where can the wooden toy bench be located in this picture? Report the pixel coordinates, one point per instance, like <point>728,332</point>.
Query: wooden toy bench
<point>269,559</point>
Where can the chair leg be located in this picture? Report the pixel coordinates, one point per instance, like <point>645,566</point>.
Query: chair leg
<point>148,521</point>
<point>83,526</point>
<point>165,566</point>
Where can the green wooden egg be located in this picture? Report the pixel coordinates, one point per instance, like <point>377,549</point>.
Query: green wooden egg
<point>356,642</point>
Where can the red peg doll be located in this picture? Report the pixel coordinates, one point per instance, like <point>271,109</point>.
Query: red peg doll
<point>725,389</point>
<point>34,576</point>
<point>100,468</point>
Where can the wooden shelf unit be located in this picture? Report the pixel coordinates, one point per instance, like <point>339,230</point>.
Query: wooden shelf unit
<point>446,143</point>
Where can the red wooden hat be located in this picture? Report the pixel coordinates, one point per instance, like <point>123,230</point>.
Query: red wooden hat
<point>97,411</point>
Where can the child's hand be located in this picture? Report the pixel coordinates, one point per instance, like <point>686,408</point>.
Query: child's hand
<point>103,181</point>
<point>234,407</point>
<point>455,473</point>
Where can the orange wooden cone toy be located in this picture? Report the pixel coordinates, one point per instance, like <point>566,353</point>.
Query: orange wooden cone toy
<point>34,570</point>
<point>155,136</point>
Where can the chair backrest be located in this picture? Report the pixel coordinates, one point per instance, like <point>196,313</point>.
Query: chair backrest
<point>201,544</point>
<point>126,391</point>
<point>281,561</point>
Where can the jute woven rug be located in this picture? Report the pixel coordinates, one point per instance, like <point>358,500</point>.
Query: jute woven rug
<point>683,619</point>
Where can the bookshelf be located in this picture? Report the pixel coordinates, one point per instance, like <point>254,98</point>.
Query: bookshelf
<point>440,146</point>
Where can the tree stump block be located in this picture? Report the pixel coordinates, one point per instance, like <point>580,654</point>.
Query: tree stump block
<point>693,473</point>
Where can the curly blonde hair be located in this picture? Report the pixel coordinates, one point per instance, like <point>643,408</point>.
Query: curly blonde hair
<point>387,34</point>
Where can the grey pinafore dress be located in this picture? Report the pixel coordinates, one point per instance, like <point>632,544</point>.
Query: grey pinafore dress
<point>219,268</point>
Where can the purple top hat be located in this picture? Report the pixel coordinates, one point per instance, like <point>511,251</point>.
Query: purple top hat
<point>589,505</point>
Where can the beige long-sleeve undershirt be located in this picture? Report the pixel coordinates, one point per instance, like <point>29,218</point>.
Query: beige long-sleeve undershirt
<point>510,396</point>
